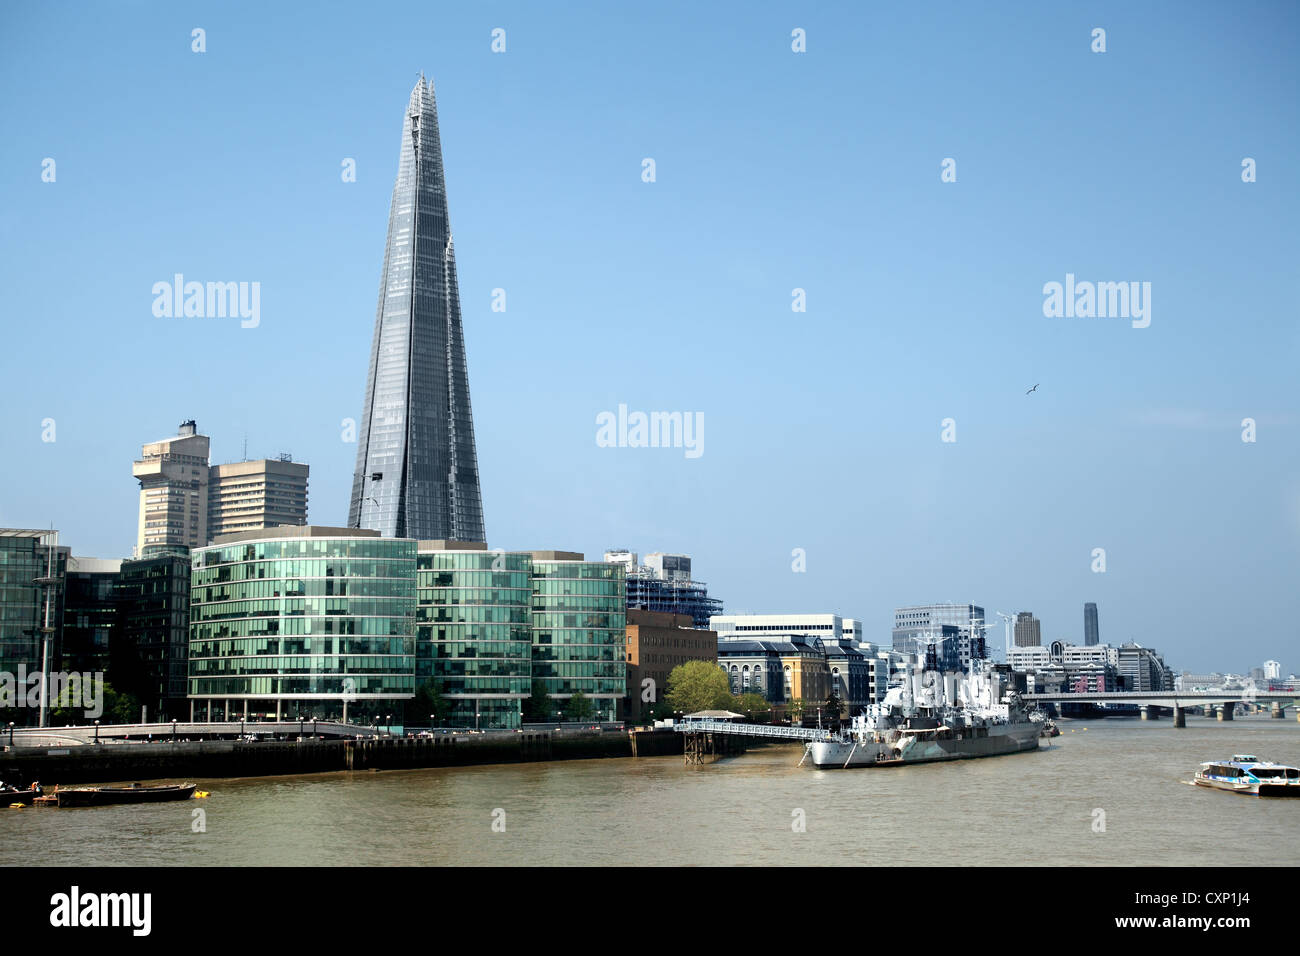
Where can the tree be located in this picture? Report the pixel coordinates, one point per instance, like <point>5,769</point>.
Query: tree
<point>538,707</point>
<point>752,705</point>
<point>579,707</point>
<point>834,706</point>
<point>699,685</point>
<point>794,709</point>
<point>428,704</point>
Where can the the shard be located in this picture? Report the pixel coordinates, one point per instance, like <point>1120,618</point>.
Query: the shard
<point>417,472</point>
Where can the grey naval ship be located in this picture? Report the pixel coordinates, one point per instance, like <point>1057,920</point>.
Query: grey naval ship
<point>933,716</point>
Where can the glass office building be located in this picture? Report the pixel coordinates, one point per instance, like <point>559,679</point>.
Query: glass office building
<point>25,558</point>
<point>303,622</point>
<point>151,646</point>
<point>474,631</point>
<point>580,629</point>
<point>417,471</point>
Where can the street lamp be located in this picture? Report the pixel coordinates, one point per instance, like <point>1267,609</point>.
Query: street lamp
<point>173,730</point>
<point>11,732</point>
<point>96,731</point>
<point>477,715</point>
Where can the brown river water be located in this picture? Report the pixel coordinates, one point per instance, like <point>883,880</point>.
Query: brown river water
<point>1047,807</point>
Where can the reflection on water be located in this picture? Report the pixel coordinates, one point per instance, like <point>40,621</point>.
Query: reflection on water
<point>1029,808</point>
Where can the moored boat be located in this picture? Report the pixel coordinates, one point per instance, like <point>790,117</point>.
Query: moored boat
<point>107,796</point>
<point>1246,773</point>
<point>13,796</point>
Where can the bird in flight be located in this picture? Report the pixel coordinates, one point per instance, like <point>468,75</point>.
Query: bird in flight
<point>1034,389</point>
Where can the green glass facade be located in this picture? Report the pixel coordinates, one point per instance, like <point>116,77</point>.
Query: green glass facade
<point>474,633</point>
<point>25,559</point>
<point>296,627</point>
<point>580,632</point>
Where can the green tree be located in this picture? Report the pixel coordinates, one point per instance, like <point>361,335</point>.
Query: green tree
<point>429,704</point>
<point>579,707</point>
<point>834,706</point>
<point>699,685</point>
<point>752,705</point>
<point>794,709</point>
<point>538,707</point>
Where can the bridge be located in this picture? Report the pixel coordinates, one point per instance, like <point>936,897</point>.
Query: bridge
<point>1222,704</point>
<point>181,730</point>
<point>707,738</point>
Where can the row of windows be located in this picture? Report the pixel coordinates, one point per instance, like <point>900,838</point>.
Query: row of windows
<point>570,586</point>
<point>579,570</point>
<point>399,569</point>
<point>584,669</point>
<point>474,579</point>
<point>474,614</point>
<point>387,684</point>
<point>269,626</point>
<point>611,622</point>
<point>581,653</point>
<point>311,607</point>
<point>579,637</point>
<point>302,665</point>
<point>331,647</point>
<point>299,587</point>
<point>428,633</point>
<point>491,649</point>
<point>307,548</point>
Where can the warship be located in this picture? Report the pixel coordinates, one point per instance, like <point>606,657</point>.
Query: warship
<point>933,716</point>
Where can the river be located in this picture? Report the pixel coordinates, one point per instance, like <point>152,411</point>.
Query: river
<point>1105,792</point>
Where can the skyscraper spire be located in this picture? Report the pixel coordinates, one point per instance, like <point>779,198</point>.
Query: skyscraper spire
<point>417,470</point>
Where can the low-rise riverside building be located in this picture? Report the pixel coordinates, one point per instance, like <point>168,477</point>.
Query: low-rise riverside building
<point>657,642</point>
<point>474,631</point>
<point>302,622</point>
<point>579,640</point>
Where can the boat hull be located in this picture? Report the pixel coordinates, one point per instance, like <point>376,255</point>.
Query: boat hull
<point>833,754</point>
<point>111,796</point>
<point>1251,789</point>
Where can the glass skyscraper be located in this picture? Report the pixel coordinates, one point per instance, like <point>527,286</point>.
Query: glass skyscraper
<point>417,471</point>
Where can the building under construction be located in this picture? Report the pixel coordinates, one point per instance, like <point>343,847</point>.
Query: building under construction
<point>664,583</point>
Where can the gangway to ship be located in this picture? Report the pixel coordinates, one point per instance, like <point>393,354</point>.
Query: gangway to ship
<point>750,730</point>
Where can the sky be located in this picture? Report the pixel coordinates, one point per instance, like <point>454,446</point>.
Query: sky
<point>824,483</point>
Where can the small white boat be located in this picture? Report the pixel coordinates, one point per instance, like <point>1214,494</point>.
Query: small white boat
<point>1246,773</point>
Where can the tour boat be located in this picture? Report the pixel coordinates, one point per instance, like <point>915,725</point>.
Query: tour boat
<point>1246,773</point>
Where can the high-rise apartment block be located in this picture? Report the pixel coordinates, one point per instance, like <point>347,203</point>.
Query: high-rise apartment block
<point>185,502</point>
<point>1029,630</point>
<point>173,476</point>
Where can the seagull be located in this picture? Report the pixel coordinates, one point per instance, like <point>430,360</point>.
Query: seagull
<point>1034,389</point>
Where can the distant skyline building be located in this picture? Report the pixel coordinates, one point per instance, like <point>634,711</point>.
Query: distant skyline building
<point>1090,633</point>
<point>664,584</point>
<point>1029,630</point>
<point>1272,670</point>
<point>957,630</point>
<point>173,476</point>
<point>417,469</point>
<point>247,495</point>
<point>187,502</point>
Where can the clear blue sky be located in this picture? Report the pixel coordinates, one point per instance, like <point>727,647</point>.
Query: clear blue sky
<point>775,170</point>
